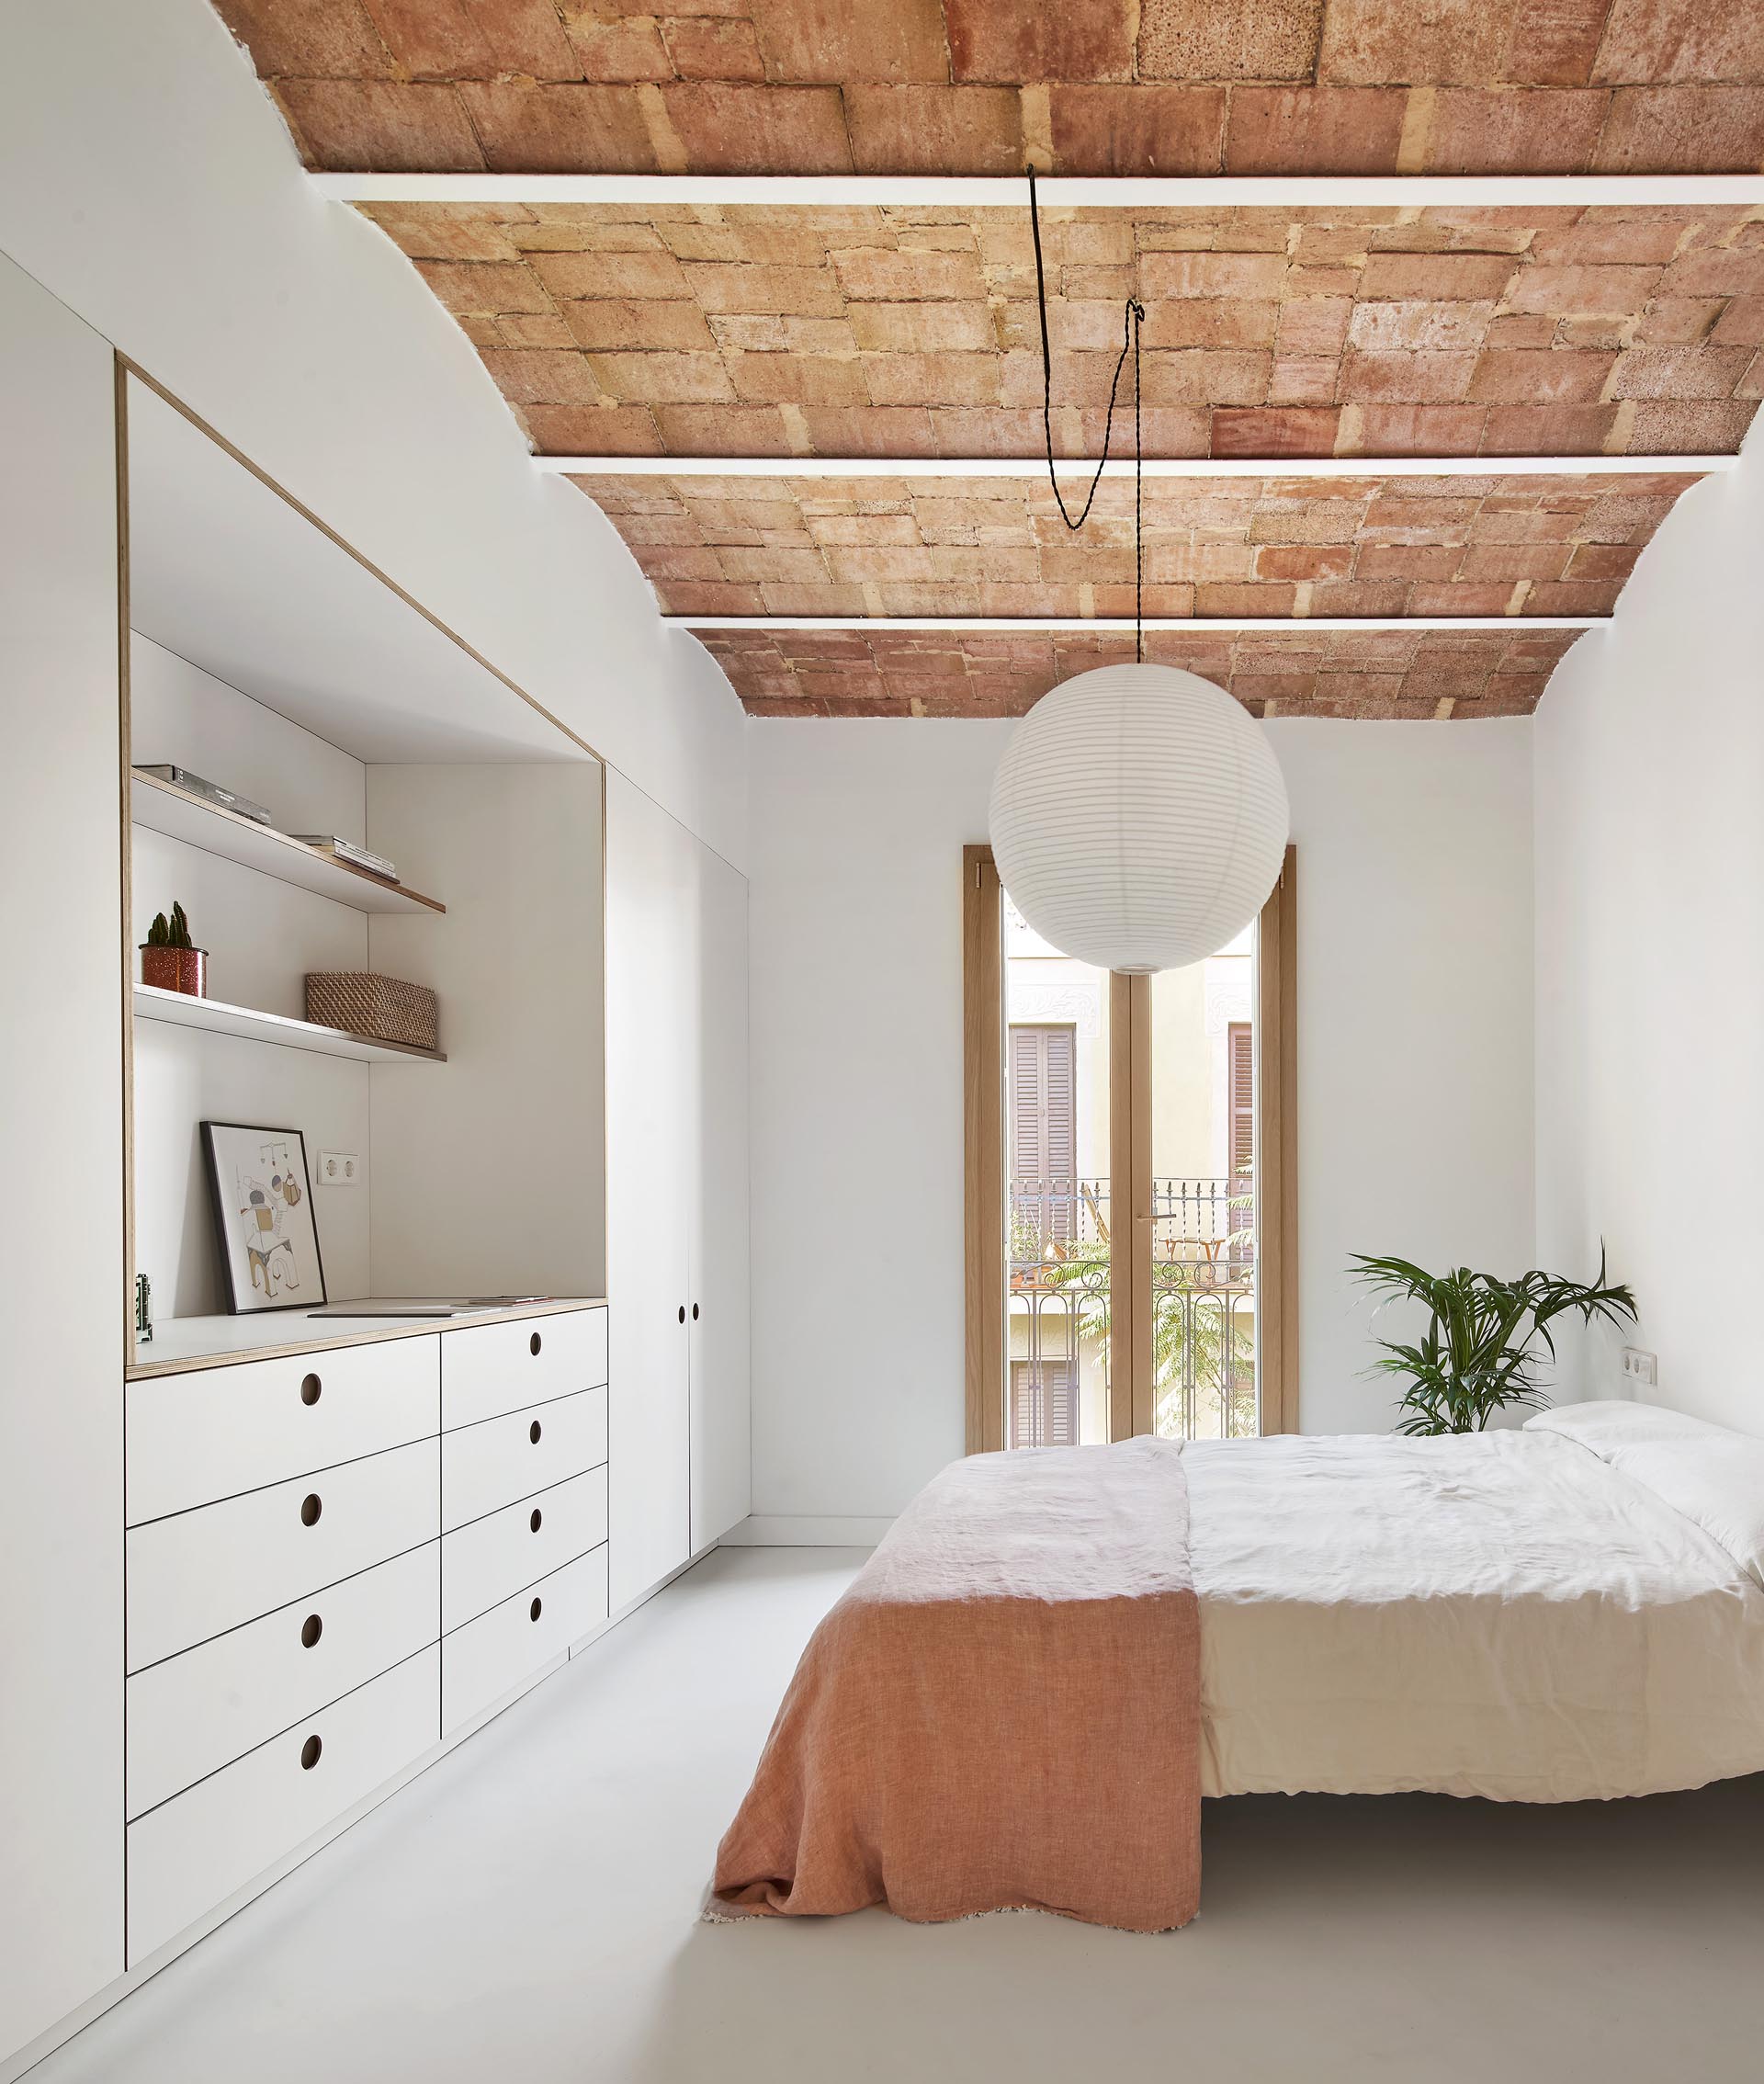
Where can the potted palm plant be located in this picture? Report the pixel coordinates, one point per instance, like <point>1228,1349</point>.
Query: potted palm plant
<point>170,960</point>
<point>1485,1337</point>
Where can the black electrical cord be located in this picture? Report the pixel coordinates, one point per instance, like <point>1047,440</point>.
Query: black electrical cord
<point>1133,321</point>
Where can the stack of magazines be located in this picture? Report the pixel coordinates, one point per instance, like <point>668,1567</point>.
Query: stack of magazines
<point>347,851</point>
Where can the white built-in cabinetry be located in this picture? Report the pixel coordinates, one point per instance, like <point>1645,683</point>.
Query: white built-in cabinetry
<point>336,1559</point>
<point>61,1148</point>
<point>257,1570</point>
<point>676,1182</point>
<point>717,1248</point>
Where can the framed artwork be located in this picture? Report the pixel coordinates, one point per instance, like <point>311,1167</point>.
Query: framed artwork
<point>263,1218</point>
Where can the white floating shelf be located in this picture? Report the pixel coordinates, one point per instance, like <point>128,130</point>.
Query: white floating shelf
<point>214,1016</point>
<point>162,806</point>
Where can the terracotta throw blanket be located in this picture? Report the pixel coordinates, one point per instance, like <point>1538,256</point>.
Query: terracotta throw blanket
<point>1003,1711</point>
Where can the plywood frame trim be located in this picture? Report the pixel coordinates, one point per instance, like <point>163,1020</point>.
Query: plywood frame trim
<point>125,369</point>
<point>129,367</point>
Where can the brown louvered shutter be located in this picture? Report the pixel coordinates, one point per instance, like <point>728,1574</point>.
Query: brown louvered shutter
<point>1025,1405</point>
<point>1240,1041</point>
<point>1059,1403</point>
<point>1043,1403</point>
<point>1044,1128</point>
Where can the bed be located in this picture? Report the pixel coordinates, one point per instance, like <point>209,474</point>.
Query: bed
<point>1571,1610</point>
<point>1535,1616</point>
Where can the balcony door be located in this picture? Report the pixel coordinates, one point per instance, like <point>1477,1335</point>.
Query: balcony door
<point>1131,1247</point>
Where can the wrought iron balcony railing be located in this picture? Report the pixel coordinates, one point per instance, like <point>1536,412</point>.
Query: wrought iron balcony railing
<point>1203,1232</point>
<point>1203,1305</point>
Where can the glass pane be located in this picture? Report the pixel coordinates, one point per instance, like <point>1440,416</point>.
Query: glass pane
<point>1057,1202</point>
<point>1203,1197</point>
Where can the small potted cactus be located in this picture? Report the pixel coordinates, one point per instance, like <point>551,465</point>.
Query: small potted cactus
<point>169,959</point>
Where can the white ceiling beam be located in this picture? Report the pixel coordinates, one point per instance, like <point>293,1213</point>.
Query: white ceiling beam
<point>1161,466</point>
<point>1292,625</point>
<point>1400,191</point>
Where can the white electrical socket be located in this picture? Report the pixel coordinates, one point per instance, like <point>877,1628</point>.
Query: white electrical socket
<point>1641,1370</point>
<point>338,1168</point>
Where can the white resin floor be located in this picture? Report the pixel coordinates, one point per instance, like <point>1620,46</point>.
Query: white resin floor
<point>528,1910</point>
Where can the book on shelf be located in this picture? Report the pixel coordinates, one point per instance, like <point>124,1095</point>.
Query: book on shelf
<point>347,851</point>
<point>209,792</point>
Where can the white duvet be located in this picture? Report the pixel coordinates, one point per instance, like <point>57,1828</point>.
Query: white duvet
<point>1509,1615</point>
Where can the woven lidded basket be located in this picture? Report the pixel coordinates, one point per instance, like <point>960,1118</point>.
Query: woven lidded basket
<point>362,1002</point>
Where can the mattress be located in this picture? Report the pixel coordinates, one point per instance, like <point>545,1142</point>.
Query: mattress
<point>1507,1614</point>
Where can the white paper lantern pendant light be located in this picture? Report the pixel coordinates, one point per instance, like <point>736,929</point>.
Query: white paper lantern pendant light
<point>1138,817</point>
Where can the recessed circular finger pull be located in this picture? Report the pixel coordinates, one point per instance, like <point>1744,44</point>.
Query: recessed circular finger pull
<point>533,1611</point>
<point>311,1505</point>
<point>695,1313</point>
<point>537,1521</point>
<point>311,1628</point>
<point>533,1345</point>
<point>312,1388</point>
<point>533,1433</point>
<point>310,1753</point>
<point>683,1313</point>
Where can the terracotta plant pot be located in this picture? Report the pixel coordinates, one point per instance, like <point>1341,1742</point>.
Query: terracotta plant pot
<point>176,969</point>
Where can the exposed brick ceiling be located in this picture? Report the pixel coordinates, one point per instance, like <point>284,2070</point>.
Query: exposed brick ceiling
<point>1497,546</point>
<point>896,672</point>
<point>695,331</point>
<point>762,330</point>
<point>972,86</point>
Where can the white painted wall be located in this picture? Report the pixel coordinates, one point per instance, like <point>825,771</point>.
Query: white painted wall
<point>487,1171</point>
<point>262,936</point>
<point>147,180</point>
<point>1415,1065</point>
<point>1650,990</point>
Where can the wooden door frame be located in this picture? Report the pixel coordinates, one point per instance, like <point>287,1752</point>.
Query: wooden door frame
<point>1130,1211</point>
<point>986,1304</point>
<point>986,1301</point>
<point>1277,1149</point>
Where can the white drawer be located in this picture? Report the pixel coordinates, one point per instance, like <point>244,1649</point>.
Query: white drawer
<point>195,1850</point>
<point>503,1552</point>
<point>197,1573</point>
<point>192,1714</point>
<point>490,1656</point>
<point>489,1368</point>
<point>488,1465</point>
<point>192,1438</point>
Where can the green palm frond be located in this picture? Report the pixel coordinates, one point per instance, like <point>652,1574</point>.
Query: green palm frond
<point>1483,1336</point>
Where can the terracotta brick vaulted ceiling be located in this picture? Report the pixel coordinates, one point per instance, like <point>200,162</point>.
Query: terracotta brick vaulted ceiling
<point>814,416</point>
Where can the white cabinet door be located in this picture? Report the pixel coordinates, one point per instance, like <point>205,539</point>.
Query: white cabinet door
<point>60,1159</point>
<point>717,1201</point>
<point>650,904</point>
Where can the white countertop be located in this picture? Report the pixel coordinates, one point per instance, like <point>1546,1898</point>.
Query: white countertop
<point>182,1343</point>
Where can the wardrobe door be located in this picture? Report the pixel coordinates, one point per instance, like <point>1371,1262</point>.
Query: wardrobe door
<point>721,1453</point>
<point>651,882</point>
<point>61,1160</point>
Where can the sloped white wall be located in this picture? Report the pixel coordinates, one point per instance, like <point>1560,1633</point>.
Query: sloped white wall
<point>1649,798</point>
<point>1415,1065</point>
<point>147,181</point>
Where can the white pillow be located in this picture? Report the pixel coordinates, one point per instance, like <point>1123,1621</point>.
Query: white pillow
<point>1610,1423</point>
<point>1714,1477</point>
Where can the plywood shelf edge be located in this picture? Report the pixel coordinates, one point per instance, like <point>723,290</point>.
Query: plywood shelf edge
<point>162,806</point>
<point>215,1016</point>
